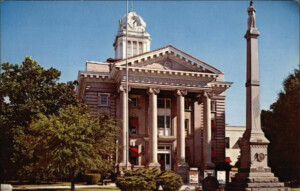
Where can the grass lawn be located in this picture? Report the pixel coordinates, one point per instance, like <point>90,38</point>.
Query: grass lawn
<point>22,185</point>
<point>81,189</point>
<point>108,188</point>
<point>295,189</point>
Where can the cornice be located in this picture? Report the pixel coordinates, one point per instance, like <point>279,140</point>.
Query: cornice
<point>166,72</point>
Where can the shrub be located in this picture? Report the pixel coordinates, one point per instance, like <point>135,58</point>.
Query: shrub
<point>138,180</point>
<point>221,188</point>
<point>92,178</point>
<point>210,183</point>
<point>169,181</point>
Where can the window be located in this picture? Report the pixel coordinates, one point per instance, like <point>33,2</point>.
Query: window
<point>168,121</point>
<point>168,159</point>
<point>161,103</point>
<point>168,103</point>
<point>213,125</point>
<point>213,106</point>
<point>133,125</point>
<point>187,104</point>
<point>103,99</point>
<point>133,102</point>
<point>161,148</point>
<point>164,116</point>
<point>163,121</point>
<point>186,124</point>
<point>134,155</point>
<point>227,143</point>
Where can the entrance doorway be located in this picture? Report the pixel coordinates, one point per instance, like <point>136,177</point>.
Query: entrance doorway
<point>164,161</point>
<point>164,157</point>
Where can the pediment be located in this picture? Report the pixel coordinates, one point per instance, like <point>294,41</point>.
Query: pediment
<point>169,58</point>
<point>167,63</point>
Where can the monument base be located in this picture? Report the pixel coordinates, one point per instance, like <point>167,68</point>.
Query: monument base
<point>256,182</point>
<point>254,173</point>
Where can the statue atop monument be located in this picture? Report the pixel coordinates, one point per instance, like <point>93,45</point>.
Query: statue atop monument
<point>251,13</point>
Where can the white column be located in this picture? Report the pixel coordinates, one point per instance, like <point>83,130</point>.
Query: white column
<point>131,48</point>
<point>153,127</point>
<point>180,127</point>
<point>144,45</point>
<point>124,48</point>
<point>207,131</point>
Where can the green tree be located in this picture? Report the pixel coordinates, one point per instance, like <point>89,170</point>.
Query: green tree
<point>281,125</point>
<point>26,90</point>
<point>68,143</point>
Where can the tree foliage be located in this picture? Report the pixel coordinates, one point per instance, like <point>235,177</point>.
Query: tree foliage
<point>26,90</point>
<point>281,125</point>
<point>68,143</point>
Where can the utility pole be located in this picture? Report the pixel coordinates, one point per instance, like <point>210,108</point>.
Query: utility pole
<point>127,92</point>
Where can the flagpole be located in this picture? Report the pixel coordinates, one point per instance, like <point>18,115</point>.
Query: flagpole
<point>127,91</point>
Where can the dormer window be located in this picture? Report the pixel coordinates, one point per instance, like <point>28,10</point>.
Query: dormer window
<point>103,99</point>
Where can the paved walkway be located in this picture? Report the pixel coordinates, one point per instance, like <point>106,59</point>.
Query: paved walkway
<point>63,187</point>
<point>183,188</point>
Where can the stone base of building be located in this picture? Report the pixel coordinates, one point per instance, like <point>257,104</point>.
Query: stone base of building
<point>122,166</point>
<point>153,165</point>
<point>255,181</point>
<point>182,169</point>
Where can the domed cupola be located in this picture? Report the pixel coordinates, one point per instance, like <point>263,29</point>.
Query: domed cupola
<point>138,38</point>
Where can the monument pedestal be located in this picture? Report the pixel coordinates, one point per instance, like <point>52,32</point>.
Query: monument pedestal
<point>254,174</point>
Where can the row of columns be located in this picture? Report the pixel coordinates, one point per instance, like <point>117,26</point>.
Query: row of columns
<point>153,141</point>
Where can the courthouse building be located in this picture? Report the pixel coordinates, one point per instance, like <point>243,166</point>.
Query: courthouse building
<point>176,112</point>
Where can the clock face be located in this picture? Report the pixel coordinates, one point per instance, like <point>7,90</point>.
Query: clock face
<point>134,22</point>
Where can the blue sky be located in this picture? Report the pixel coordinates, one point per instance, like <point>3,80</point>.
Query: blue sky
<point>65,34</point>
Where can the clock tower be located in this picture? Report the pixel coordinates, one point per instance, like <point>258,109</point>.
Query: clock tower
<point>138,39</point>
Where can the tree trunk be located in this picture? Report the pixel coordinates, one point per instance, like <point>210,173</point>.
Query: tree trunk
<point>72,182</point>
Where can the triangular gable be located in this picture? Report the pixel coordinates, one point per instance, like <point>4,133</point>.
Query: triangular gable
<point>168,63</point>
<point>154,54</point>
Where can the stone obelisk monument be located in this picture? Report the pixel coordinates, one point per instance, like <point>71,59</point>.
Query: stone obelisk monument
<point>254,173</point>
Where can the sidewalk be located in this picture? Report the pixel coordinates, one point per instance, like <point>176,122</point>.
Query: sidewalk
<point>63,187</point>
<point>183,188</point>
